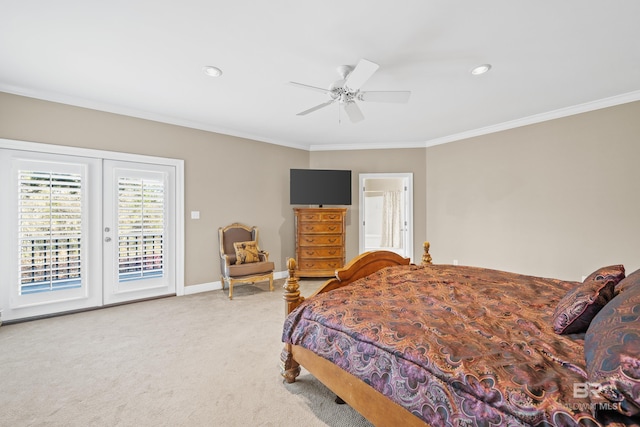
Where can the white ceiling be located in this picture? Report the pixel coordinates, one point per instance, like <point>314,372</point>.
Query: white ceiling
<point>144,58</point>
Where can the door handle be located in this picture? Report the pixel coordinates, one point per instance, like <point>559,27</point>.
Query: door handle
<point>107,239</point>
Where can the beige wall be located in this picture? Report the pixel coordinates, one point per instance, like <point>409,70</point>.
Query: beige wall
<point>553,199</point>
<point>227,179</point>
<point>559,198</point>
<point>379,161</point>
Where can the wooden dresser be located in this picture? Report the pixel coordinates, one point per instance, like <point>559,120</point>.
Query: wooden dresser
<point>320,241</point>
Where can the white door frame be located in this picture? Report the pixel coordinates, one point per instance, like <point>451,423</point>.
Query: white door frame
<point>88,292</point>
<point>115,290</point>
<point>408,179</point>
<point>112,155</point>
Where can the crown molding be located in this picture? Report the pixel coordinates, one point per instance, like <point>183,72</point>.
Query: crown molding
<point>366,146</point>
<point>512,124</point>
<point>139,114</point>
<point>539,118</point>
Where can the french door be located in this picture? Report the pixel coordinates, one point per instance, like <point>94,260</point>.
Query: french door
<point>139,256</point>
<point>83,232</point>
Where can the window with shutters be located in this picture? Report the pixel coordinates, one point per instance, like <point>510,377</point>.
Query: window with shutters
<point>141,225</point>
<point>49,231</point>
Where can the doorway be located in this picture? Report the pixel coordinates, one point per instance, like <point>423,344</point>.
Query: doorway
<point>386,206</point>
<point>84,232</point>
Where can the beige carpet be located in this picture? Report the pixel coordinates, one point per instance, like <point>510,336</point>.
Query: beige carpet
<point>197,360</point>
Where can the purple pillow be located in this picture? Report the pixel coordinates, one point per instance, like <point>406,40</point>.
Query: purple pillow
<point>612,352</point>
<point>577,308</point>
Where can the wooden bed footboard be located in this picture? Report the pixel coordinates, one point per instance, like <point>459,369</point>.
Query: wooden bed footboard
<point>363,398</point>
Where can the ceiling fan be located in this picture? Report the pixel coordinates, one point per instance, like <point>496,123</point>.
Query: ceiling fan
<point>346,90</point>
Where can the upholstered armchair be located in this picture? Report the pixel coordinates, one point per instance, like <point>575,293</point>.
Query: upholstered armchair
<point>241,260</point>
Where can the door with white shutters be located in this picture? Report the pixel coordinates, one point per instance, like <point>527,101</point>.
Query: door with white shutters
<point>82,232</point>
<point>50,251</point>
<point>138,231</point>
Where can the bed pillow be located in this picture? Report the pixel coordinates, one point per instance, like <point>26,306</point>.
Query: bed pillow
<point>246,252</point>
<point>612,353</point>
<point>630,281</point>
<point>577,308</point>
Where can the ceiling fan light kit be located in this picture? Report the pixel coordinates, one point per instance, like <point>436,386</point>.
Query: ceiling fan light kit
<point>346,91</point>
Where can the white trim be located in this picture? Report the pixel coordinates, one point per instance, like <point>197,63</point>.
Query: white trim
<point>131,112</point>
<point>366,146</point>
<point>85,152</point>
<point>524,121</point>
<point>202,287</point>
<point>180,233</point>
<point>281,274</point>
<point>140,114</point>
<point>542,117</point>
<point>215,286</point>
<point>406,177</point>
<point>114,155</point>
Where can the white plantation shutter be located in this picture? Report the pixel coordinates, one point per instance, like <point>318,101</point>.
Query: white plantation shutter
<point>141,225</point>
<point>78,230</point>
<point>49,231</point>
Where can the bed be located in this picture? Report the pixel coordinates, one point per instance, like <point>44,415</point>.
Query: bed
<point>446,345</point>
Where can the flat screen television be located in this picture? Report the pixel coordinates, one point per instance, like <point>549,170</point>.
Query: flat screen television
<point>320,187</point>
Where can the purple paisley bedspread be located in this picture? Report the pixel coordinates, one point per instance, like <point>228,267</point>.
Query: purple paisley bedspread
<point>455,345</point>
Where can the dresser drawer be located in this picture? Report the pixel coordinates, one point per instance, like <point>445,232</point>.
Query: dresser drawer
<point>332,216</point>
<point>320,240</point>
<point>327,265</point>
<point>320,227</point>
<point>310,217</point>
<point>320,216</point>
<point>321,252</point>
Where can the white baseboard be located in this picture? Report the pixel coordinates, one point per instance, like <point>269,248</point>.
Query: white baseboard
<point>213,286</point>
<point>202,287</point>
<point>280,274</point>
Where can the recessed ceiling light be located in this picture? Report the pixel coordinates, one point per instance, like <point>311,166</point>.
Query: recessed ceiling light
<point>481,69</point>
<point>212,71</point>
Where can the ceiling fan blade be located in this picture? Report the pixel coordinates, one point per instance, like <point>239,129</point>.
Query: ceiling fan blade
<point>317,107</point>
<point>353,111</point>
<point>317,89</point>
<point>363,71</point>
<point>385,96</point>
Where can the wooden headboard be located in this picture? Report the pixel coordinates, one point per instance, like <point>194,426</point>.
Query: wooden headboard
<point>360,266</point>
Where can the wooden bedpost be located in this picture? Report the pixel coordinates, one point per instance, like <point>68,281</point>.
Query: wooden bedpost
<point>426,256</point>
<point>289,368</point>
<point>292,288</point>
